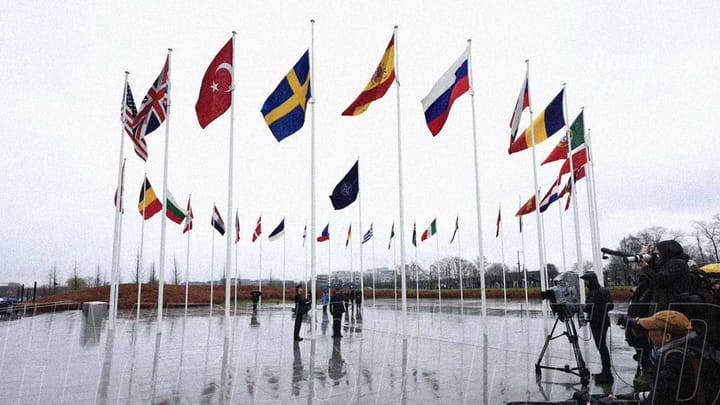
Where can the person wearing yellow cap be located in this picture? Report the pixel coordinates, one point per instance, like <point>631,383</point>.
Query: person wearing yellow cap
<point>682,376</point>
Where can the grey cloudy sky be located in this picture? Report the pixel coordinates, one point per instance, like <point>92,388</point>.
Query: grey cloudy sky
<point>646,73</point>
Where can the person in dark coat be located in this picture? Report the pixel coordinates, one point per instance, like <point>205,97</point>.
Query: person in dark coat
<point>255,295</point>
<point>337,308</point>
<point>598,304</point>
<point>301,307</point>
<point>671,277</point>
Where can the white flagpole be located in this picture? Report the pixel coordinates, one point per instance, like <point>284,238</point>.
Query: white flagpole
<point>283,263</point>
<point>228,243</point>
<point>118,218</point>
<point>502,254</point>
<point>522,239</point>
<point>593,193</point>
<point>362,282</point>
<point>352,276</point>
<point>236,275</point>
<point>540,236</point>
<point>260,272</point>
<point>562,235</point>
<point>119,245</point>
<point>477,190</point>
<point>403,275</point>
<point>305,253</point>
<point>212,268</point>
<point>163,226</point>
<point>417,281</point>
<point>576,215</point>
<point>395,276</point>
<point>462,299</point>
<point>437,260</point>
<point>313,240</point>
<point>373,274</point>
<point>142,247</point>
<point>187,267</point>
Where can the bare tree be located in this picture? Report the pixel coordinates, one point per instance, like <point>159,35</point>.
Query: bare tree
<point>98,280</point>
<point>710,230</point>
<point>52,278</point>
<point>76,282</point>
<point>152,278</point>
<point>137,276</point>
<point>176,272</point>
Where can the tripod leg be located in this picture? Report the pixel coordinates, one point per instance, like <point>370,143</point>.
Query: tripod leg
<point>573,338</point>
<point>548,338</point>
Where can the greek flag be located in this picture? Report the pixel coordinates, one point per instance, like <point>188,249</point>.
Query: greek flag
<point>368,235</point>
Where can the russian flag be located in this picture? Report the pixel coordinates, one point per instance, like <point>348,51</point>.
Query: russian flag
<point>453,84</point>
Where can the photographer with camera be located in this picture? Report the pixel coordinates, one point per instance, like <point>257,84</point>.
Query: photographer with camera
<point>687,371</point>
<point>598,304</point>
<point>302,306</point>
<point>671,280</point>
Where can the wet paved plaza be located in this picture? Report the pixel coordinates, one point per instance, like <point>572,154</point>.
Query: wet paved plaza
<point>445,357</point>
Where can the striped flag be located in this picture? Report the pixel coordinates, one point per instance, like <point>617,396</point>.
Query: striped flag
<point>349,235</point>
<point>325,235</point>
<point>148,204</point>
<point>174,212</point>
<point>368,235</point>
<point>278,231</point>
<point>430,231</point>
<point>452,84</point>
<point>304,235</point>
<point>217,222</point>
<point>414,237</point>
<point>497,224</point>
<point>129,115</point>
<point>379,83</point>
<point>523,102</point>
<point>545,125</point>
<point>120,190</point>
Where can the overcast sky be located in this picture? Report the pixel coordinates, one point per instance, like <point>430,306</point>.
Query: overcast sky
<point>646,73</point>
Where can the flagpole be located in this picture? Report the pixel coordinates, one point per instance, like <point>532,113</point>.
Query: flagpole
<point>576,215</point>
<point>562,235</point>
<point>477,189</point>
<point>395,277</point>
<point>142,247</point>
<point>305,252</point>
<point>228,243</point>
<point>212,268</point>
<point>437,259</point>
<point>237,232</point>
<point>117,259</point>
<point>349,241</point>
<point>536,190</point>
<point>417,281</point>
<point>502,254</point>
<point>403,275</point>
<point>373,280</point>
<point>522,240</point>
<point>118,213</point>
<point>187,265</point>
<point>313,240</point>
<point>362,282</point>
<point>163,225</point>
<point>283,262</point>
<point>260,272</point>
<point>591,184</point>
<point>462,299</point>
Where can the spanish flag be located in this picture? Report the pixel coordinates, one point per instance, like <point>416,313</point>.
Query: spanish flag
<point>379,83</point>
<point>148,205</point>
<point>544,125</point>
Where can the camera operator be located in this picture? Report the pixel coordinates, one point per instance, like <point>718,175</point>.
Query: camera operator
<point>671,275</point>
<point>684,374</point>
<point>598,304</point>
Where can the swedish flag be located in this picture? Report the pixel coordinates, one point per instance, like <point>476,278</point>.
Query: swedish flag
<point>284,109</point>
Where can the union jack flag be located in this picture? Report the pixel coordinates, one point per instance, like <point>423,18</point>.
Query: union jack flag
<point>153,109</point>
<point>128,116</point>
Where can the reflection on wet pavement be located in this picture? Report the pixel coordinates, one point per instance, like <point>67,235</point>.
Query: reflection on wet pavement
<point>445,356</point>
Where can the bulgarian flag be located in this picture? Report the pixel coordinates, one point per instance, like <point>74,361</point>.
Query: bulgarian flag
<point>174,212</point>
<point>432,230</point>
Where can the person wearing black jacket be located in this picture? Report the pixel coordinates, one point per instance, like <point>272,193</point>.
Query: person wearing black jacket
<point>598,304</point>
<point>337,308</point>
<point>301,307</point>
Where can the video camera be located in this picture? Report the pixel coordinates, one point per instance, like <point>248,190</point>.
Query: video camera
<point>628,257</point>
<point>564,295</point>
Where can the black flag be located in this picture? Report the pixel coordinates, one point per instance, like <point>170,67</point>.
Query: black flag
<point>346,191</point>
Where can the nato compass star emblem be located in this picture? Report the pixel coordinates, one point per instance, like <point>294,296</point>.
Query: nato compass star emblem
<point>346,189</point>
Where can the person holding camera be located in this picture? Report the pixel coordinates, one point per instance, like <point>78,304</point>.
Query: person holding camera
<point>685,373</point>
<point>670,279</point>
<point>598,304</point>
<point>301,307</point>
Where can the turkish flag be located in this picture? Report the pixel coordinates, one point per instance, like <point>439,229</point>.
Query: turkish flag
<point>215,91</point>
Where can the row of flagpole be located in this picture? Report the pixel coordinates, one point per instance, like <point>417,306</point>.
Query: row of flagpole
<point>466,61</point>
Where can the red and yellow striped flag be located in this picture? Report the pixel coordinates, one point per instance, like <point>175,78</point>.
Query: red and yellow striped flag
<point>379,83</point>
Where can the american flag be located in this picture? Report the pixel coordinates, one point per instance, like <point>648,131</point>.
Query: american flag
<point>153,109</point>
<point>129,114</point>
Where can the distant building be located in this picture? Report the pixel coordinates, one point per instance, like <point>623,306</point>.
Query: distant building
<point>382,274</point>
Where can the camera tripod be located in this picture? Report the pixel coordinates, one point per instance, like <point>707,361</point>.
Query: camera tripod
<point>564,314</point>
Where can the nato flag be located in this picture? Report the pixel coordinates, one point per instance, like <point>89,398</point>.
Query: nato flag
<point>345,193</point>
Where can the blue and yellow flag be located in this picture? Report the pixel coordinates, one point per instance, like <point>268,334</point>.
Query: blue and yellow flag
<point>284,109</point>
